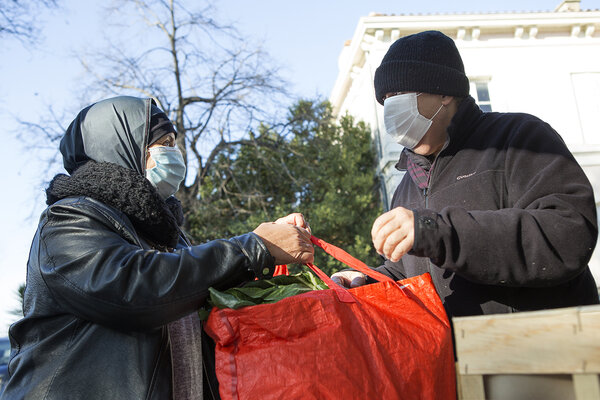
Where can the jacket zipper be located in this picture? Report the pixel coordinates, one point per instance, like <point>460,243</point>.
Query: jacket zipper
<point>426,192</point>
<point>426,195</point>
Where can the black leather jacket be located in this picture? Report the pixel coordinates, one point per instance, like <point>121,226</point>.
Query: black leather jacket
<point>99,295</point>
<point>92,279</point>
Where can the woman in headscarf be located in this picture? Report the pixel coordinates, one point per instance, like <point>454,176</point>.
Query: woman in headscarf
<point>113,285</point>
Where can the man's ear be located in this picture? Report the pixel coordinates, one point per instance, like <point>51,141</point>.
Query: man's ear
<point>447,99</point>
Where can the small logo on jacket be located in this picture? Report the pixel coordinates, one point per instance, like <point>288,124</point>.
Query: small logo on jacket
<point>458,178</point>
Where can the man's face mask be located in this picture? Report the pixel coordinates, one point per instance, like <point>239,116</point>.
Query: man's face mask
<point>403,121</point>
<point>169,171</point>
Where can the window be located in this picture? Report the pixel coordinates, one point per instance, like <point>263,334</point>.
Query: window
<point>479,91</point>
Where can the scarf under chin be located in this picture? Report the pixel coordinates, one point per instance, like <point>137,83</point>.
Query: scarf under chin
<point>127,191</point>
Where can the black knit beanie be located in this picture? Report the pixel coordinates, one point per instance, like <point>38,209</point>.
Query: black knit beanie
<point>426,62</point>
<point>160,125</point>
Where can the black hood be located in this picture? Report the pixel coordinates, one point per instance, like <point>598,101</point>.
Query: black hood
<point>113,130</point>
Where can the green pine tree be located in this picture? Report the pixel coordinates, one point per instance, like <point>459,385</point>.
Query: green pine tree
<point>315,165</point>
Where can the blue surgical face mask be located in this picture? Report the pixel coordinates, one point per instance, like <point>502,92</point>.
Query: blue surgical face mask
<point>169,171</point>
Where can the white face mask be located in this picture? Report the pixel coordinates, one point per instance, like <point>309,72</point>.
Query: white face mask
<point>403,121</point>
<point>169,171</point>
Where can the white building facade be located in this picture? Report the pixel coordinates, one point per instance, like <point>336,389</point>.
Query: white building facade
<point>543,63</point>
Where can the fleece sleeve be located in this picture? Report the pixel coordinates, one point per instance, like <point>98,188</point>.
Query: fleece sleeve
<point>544,236</point>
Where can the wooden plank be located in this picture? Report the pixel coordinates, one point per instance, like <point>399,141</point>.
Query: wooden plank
<point>560,341</point>
<point>587,386</point>
<point>458,381</point>
<point>470,387</point>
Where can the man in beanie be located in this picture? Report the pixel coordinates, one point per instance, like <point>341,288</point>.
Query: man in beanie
<point>493,205</point>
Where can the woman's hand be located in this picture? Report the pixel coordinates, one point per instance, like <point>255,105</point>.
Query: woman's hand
<point>295,219</point>
<point>288,239</point>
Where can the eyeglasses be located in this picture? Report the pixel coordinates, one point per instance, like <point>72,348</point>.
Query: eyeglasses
<point>167,140</point>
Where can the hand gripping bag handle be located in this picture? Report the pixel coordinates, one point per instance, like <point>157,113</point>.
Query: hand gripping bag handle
<point>340,255</point>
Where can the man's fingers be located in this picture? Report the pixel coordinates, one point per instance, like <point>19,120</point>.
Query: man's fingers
<point>393,240</point>
<point>393,233</point>
<point>387,232</point>
<point>380,222</point>
<point>358,281</point>
<point>400,250</point>
<point>339,280</point>
<point>349,279</point>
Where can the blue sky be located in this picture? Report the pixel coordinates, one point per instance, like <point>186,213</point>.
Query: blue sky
<point>303,38</point>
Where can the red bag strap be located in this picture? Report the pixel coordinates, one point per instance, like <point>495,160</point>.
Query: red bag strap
<point>350,261</point>
<point>281,270</point>
<point>342,293</point>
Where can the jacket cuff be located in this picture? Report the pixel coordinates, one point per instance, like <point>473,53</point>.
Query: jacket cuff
<point>260,262</point>
<point>427,235</point>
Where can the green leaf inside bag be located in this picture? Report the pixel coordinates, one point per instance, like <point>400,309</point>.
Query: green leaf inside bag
<point>262,292</point>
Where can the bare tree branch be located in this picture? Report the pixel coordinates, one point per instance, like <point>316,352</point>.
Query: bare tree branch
<point>201,72</point>
<point>203,110</point>
<point>19,19</point>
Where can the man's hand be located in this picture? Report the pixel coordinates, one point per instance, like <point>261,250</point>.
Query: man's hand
<point>349,279</point>
<point>393,233</point>
<point>287,242</point>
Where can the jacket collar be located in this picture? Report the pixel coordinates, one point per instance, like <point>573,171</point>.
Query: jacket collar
<point>461,126</point>
<point>466,117</point>
<point>124,189</point>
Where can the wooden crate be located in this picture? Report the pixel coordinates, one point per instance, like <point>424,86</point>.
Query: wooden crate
<point>549,342</point>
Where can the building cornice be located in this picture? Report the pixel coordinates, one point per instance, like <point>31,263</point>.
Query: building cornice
<point>377,31</point>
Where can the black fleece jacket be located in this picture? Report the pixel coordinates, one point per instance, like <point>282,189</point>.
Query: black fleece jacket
<point>508,221</point>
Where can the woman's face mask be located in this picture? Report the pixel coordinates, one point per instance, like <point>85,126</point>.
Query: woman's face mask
<point>169,171</point>
<point>403,121</point>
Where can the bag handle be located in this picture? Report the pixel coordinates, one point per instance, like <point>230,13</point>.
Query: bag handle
<point>342,293</point>
<point>350,261</point>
